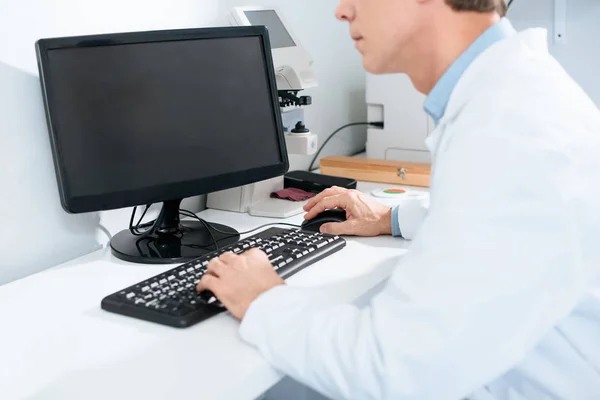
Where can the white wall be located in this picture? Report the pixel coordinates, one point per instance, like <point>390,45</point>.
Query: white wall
<point>580,56</point>
<point>22,22</point>
<point>339,99</point>
<point>36,233</point>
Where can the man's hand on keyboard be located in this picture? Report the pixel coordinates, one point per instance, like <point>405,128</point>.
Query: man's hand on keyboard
<point>237,280</point>
<point>365,217</point>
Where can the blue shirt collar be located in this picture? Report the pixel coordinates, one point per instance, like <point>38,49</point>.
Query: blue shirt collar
<point>437,100</point>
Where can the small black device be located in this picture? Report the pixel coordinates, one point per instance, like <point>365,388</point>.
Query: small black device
<point>325,217</point>
<point>155,117</point>
<point>171,299</point>
<point>315,183</point>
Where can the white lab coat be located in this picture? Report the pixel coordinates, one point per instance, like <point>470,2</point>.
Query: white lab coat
<point>499,294</point>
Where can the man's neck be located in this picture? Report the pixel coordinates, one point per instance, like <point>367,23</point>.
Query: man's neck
<point>444,44</point>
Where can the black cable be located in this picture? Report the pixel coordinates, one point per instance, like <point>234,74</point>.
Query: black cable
<point>135,229</point>
<point>132,218</point>
<point>378,124</point>
<point>132,229</point>
<point>206,225</point>
<point>143,215</point>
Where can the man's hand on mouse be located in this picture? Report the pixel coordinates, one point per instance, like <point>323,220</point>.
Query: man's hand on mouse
<point>237,280</point>
<point>364,216</point>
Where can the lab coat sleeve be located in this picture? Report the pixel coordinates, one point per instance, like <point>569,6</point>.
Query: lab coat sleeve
<point>487,276</point>
<point>396,231</point>
<point>407,218</point>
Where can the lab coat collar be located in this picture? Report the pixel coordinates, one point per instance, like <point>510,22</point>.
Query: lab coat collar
<point>437,100</point>
<point>532,40</point>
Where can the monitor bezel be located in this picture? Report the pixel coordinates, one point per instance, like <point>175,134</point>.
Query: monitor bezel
<point>165,192</point>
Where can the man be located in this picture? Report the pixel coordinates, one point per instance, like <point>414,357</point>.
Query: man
<point>499,294</point>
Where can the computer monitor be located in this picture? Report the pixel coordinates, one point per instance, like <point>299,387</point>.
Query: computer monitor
<point>151,117</point>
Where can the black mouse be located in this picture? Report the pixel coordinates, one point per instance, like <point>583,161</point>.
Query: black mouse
<point>333,215</point>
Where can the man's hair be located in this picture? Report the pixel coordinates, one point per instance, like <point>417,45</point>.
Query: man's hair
<point>482,6</point>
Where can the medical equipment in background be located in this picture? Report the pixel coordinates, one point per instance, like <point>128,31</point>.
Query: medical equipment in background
<point>394,100</point>
<point>294,73</point>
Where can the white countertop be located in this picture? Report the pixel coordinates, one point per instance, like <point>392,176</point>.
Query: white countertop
<point>56,342</point>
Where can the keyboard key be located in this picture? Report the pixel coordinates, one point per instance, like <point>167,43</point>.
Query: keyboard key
<point>276,259</point>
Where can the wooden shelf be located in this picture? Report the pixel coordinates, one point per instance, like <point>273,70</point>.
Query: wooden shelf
<point>373,170</point>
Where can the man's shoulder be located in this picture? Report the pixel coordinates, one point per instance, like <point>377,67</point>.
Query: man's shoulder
<point>527,95</point>
<point>518,70</point>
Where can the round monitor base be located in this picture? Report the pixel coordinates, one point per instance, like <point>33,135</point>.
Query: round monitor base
<point>192,241</point>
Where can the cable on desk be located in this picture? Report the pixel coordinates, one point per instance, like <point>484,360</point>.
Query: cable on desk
<point>208,227</point>
<point>135,229</point>
<point>376,124</point>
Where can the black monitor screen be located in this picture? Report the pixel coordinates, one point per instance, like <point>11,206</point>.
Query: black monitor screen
<point>141,116</point>
<point>279,35</point>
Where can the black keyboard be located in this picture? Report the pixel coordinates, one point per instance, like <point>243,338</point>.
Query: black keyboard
<point>171,299</point>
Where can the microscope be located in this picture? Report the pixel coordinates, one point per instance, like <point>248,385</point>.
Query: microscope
<point>294,73</point>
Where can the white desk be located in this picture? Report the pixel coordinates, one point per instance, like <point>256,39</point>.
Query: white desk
<point>56,342</point>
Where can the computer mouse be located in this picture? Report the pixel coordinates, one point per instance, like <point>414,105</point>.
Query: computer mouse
<point>333,215</point>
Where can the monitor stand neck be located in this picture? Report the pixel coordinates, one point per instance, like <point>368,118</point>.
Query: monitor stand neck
<point>168,222</point>
<point>171,240</point>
